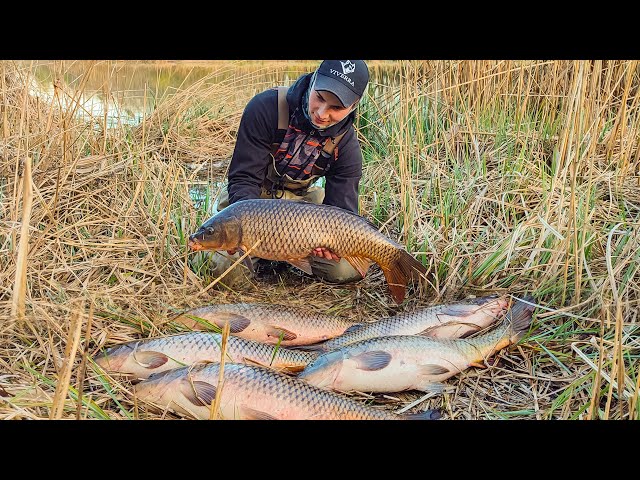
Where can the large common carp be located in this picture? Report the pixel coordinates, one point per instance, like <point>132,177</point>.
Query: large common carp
<point>453,320</point>
<point>411,362</point>
<point>255,393</point>
<point>289,230</point>
<point>140,358</point>
<point>268,323</point>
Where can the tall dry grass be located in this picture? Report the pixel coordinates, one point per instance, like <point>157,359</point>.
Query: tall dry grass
<point>518,176</point>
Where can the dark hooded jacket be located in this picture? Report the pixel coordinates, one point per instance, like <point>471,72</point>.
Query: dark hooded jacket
<point>259,130</point>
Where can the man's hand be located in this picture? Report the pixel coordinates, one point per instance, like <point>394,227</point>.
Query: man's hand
<point>326,253</point>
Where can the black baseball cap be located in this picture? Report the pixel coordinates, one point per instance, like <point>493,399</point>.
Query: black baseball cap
<point>346,79</point>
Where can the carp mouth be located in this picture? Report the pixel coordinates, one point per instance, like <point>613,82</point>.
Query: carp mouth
<point>198,241</point>
<point>207,239</point>
<point>195,245</point>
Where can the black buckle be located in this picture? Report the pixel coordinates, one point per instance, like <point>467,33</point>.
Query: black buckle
<point>277,191</point>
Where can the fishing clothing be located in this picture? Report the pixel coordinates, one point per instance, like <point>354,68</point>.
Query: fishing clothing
<point>257,170</point>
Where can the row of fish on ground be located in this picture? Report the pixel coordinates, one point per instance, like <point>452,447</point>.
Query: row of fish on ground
<point>285,363</point>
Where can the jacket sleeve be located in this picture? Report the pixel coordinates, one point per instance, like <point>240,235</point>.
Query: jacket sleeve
<point>252,151</point>
<point>343,177</point>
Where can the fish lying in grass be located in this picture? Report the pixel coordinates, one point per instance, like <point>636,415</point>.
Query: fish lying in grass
<point>453,320</point>
<point>289,230</point>
<point>268,323</point>
<point>139,359</point>
<point>412,362</point>
<point>255,393</point>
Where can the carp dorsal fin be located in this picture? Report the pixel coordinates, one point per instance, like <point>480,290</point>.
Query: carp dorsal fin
<point>333,207</point>
<point>374,360</point>
<point>213,321</point>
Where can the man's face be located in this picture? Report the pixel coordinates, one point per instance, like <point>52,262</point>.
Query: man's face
<point>325,109</point>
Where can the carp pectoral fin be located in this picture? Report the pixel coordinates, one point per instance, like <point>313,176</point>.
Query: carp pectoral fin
<point>237,323</point>
<point>248,413</point>
<point>276,331</point>
<point>361,264</point>
<point>433,369</point>
<point>375,360</point>
<point>149,359</point>
<point>200,393</point>
<point>303,264</point>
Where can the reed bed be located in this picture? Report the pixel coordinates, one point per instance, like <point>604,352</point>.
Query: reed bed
<point>516,176</point>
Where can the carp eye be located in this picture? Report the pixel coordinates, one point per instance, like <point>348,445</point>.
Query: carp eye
<point>210,230</point>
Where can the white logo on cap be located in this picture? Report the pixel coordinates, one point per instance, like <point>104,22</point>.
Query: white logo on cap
<point>348,66</point>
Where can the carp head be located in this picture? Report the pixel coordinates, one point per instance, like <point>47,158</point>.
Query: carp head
<point>113,358</point>
<point>324,370</point>
<point>220,232</point>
